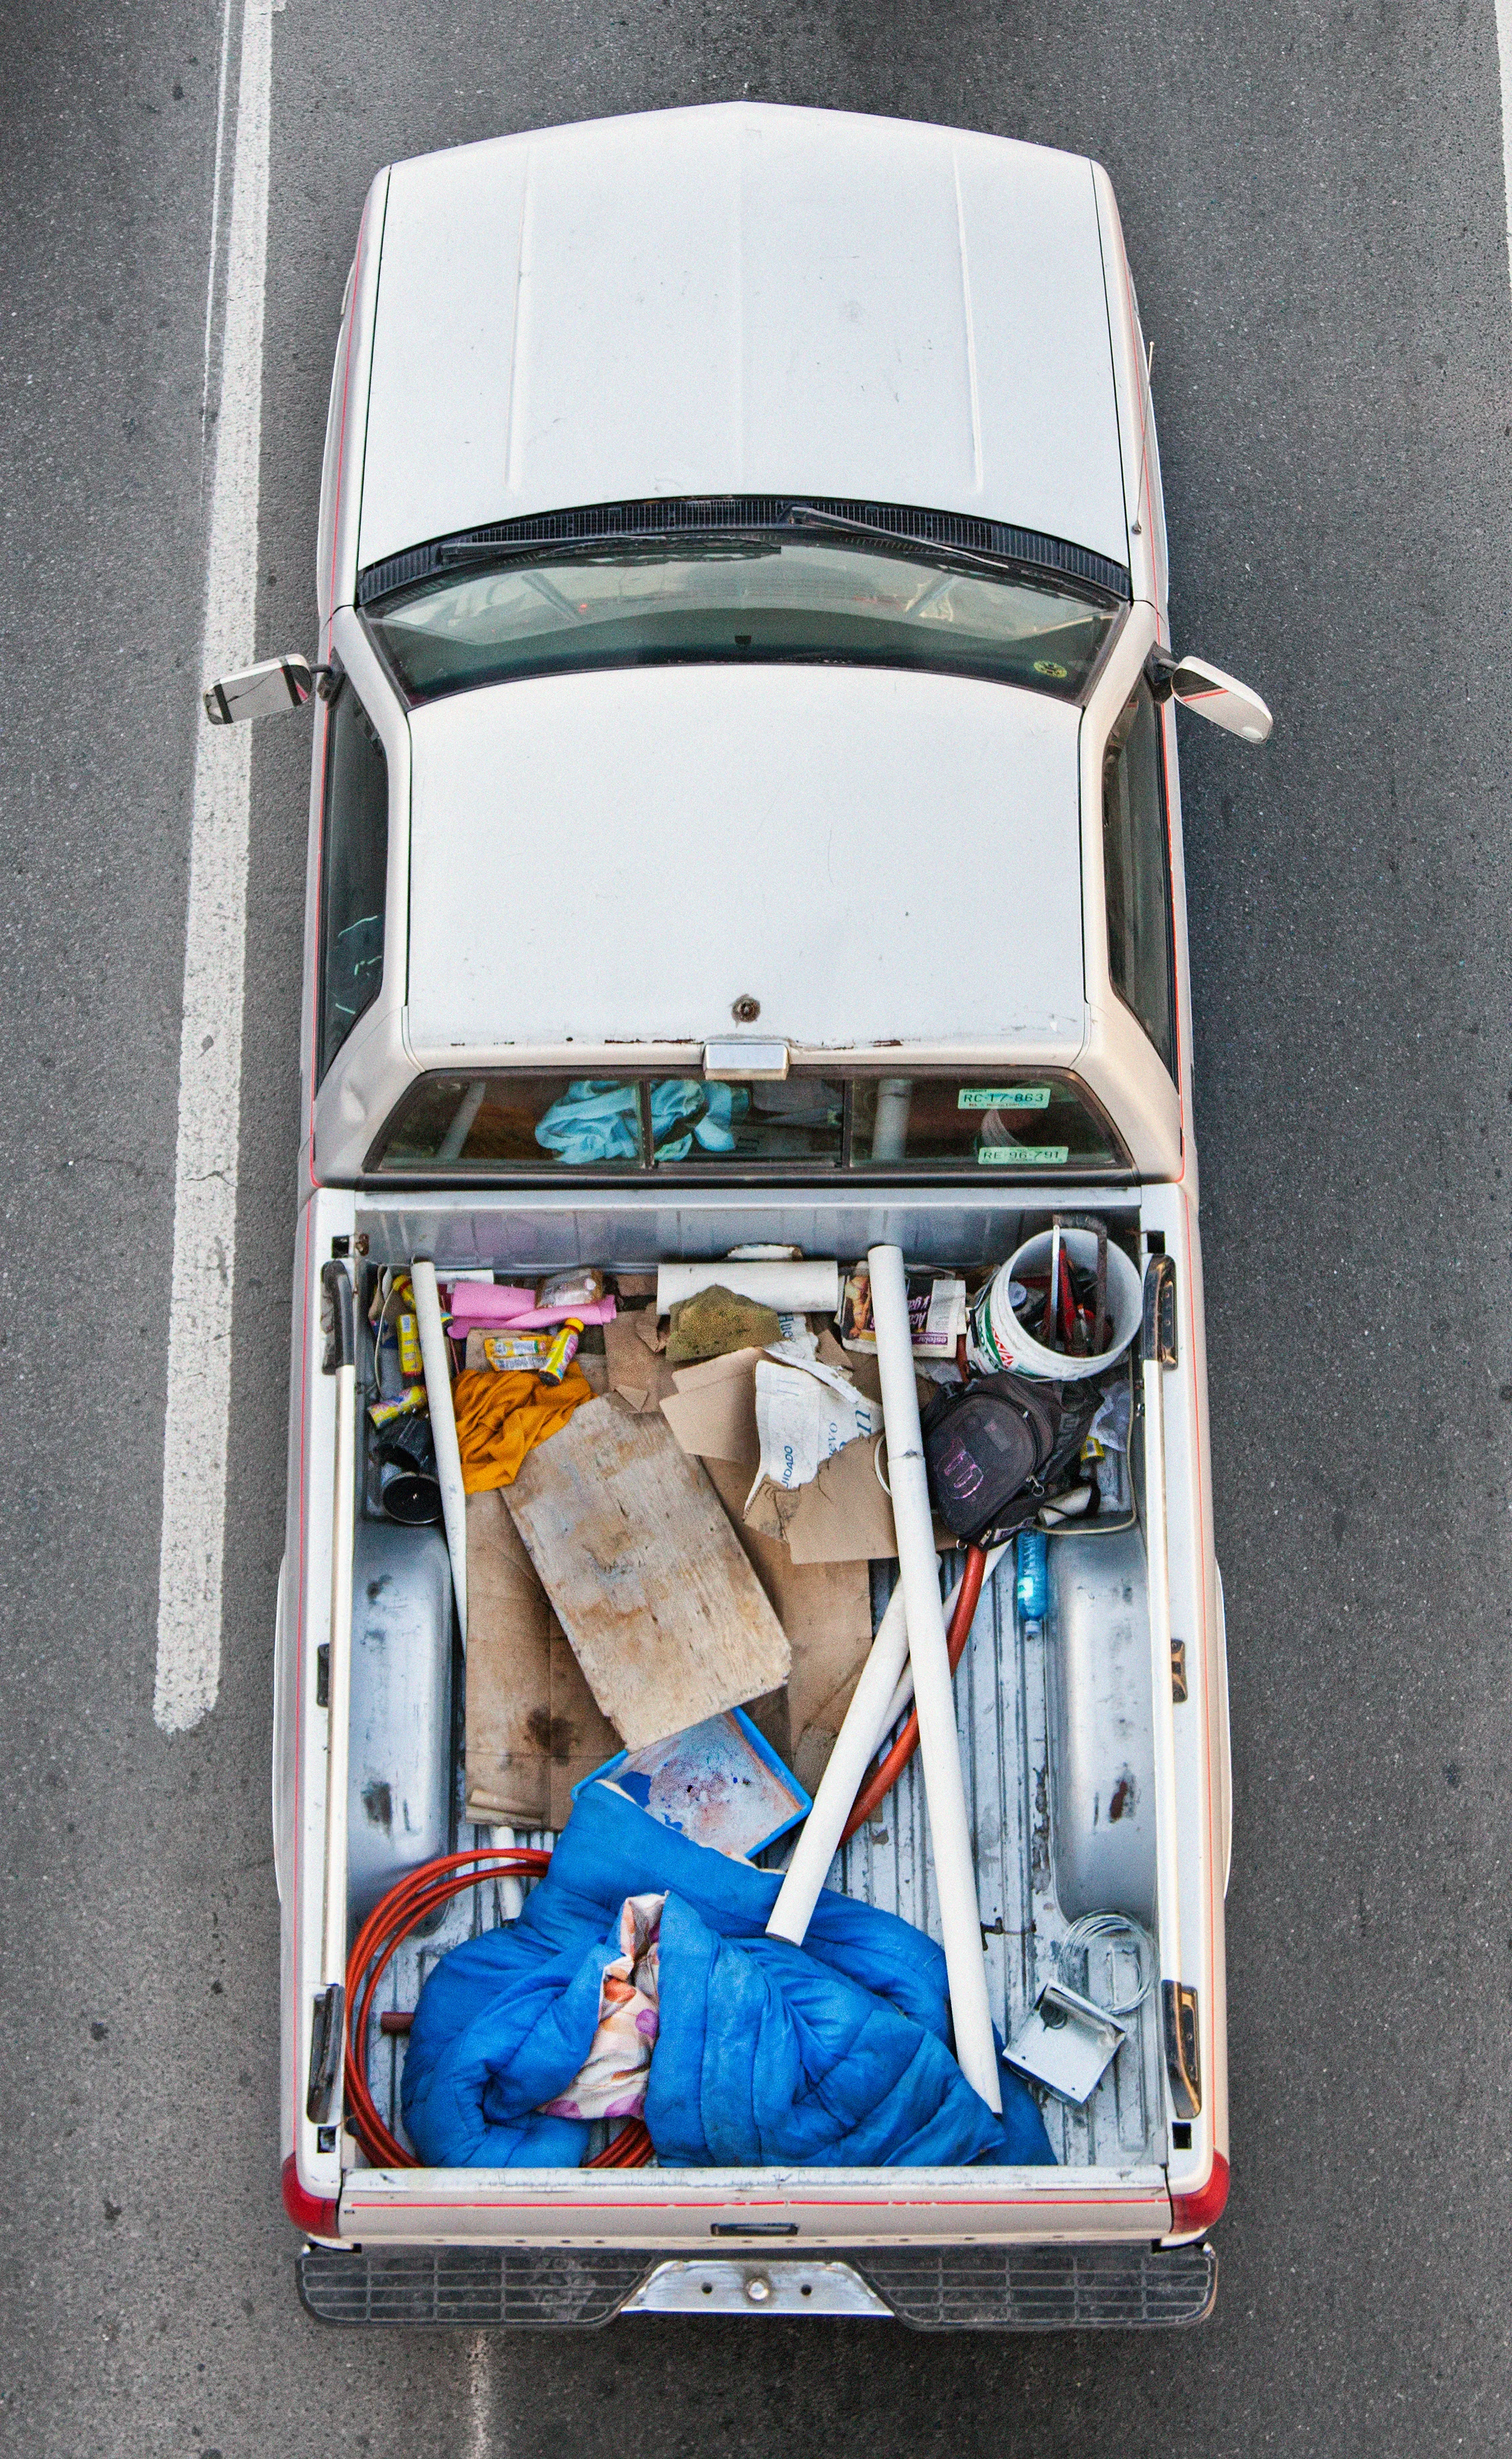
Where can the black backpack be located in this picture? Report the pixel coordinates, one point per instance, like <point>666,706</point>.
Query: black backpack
<point>994,1450</point>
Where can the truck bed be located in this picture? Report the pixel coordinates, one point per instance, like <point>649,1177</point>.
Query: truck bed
<point>1002,1718</point>
<point>1123,2170</point>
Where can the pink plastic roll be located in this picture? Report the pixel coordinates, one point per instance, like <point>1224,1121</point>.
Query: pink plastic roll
<point>467,1315</point>
<point>486,1303</point>
<point>602,1311</point>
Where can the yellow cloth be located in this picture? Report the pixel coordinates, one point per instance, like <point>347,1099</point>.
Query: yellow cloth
<point>500,1417</point>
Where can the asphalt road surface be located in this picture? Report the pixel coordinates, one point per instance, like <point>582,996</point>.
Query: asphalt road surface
<point>1314,204</point>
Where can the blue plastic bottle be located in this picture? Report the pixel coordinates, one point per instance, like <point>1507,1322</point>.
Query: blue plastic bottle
<point>1032,1587</point>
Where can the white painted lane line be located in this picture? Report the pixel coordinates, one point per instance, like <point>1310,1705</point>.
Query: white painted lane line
<point>481,2442</point>
<point>188,1674</point>
<point>214,266</point>
<point>1503,34</point>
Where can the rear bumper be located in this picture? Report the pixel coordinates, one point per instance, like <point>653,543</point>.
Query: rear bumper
<point>948,2288</point>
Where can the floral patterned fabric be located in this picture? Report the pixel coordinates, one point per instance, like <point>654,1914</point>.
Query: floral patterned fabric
<point>612,2079</point>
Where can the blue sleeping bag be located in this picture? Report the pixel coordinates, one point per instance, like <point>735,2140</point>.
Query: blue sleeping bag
<point>833,2053</point>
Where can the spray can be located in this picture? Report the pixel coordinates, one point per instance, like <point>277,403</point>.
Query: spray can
<point>412,1364</point>
<point>562,1351</point>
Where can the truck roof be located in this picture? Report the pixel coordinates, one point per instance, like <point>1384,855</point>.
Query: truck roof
<point>742,300</point>
<point>876,856</point>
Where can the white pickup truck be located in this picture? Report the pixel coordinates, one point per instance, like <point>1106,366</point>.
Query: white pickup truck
<point>743,602</point>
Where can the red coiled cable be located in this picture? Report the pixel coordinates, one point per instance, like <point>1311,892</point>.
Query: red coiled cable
<point>388,1925</point>
<point>425,1890</point>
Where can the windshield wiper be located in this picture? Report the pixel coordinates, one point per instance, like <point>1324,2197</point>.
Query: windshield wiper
<point>938,551</point>
<point>717,546</point>
<point>842,521</point>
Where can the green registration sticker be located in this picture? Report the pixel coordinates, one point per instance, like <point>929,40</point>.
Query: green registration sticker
<point>1036,1156</point>
<point>1003,1096</point>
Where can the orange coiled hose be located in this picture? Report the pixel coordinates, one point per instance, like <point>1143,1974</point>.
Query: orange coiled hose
<point>382,1933</point>
<point>425,1890</point>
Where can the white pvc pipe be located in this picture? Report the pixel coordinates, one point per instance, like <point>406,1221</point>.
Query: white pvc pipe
<point>855,1745</point>
<point>903,1696</point>
<point>463,1116</point>
<point>861,1736</point>
<point>443,1427</point>
<point>801,1288</point>
<point>944,1788</point>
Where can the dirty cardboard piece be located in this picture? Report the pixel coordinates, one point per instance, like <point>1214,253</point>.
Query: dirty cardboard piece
<point>711,1409</point>
<point>843,1515</point>
<point>533,1729</point>
<point>665,1616</point>
<point>634,1349</point>
<point>826,1610</point>
<point>823,1605</point>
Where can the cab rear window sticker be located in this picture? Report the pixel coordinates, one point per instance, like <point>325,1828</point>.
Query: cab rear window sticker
<point>1003,1096</point>
<point>1042,1156</point>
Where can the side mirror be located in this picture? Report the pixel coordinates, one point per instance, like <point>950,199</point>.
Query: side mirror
<point>1210,692</point>
<point>266,691</point>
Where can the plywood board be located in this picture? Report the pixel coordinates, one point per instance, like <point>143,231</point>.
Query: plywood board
<point>665,1616</point>
<point>533,1727</point>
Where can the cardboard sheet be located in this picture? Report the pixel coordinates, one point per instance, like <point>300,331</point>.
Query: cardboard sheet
<point>712,1410</point>
<point>638,1370</point>
<point>843,1516</point>
<point>826,1610</point>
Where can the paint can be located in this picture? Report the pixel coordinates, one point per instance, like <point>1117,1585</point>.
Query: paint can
<point>999,1340</point>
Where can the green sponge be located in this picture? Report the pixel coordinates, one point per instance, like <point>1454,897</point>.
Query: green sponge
<point>715,1322</point>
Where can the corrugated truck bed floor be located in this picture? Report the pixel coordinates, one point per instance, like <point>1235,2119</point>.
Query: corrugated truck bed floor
<point>1001,1717</point>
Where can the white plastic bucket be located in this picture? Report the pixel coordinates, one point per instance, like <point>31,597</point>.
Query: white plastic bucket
<point>999,1339</point>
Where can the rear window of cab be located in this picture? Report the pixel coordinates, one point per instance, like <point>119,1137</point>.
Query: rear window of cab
<point>512,1125</point>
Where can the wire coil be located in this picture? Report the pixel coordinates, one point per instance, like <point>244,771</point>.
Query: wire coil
<point>1117,1934</point>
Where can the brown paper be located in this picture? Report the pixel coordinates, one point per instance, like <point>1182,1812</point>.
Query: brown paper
<point>532,1726</point>
<point>826,1610</point>
<point>843,1516</point>
<point>712,1411</point>
<point>636,1370</point>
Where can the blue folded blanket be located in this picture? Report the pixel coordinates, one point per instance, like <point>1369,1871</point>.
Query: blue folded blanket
<point>833,2054</point>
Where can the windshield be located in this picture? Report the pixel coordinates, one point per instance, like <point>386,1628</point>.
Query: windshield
<point>742,596</point>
